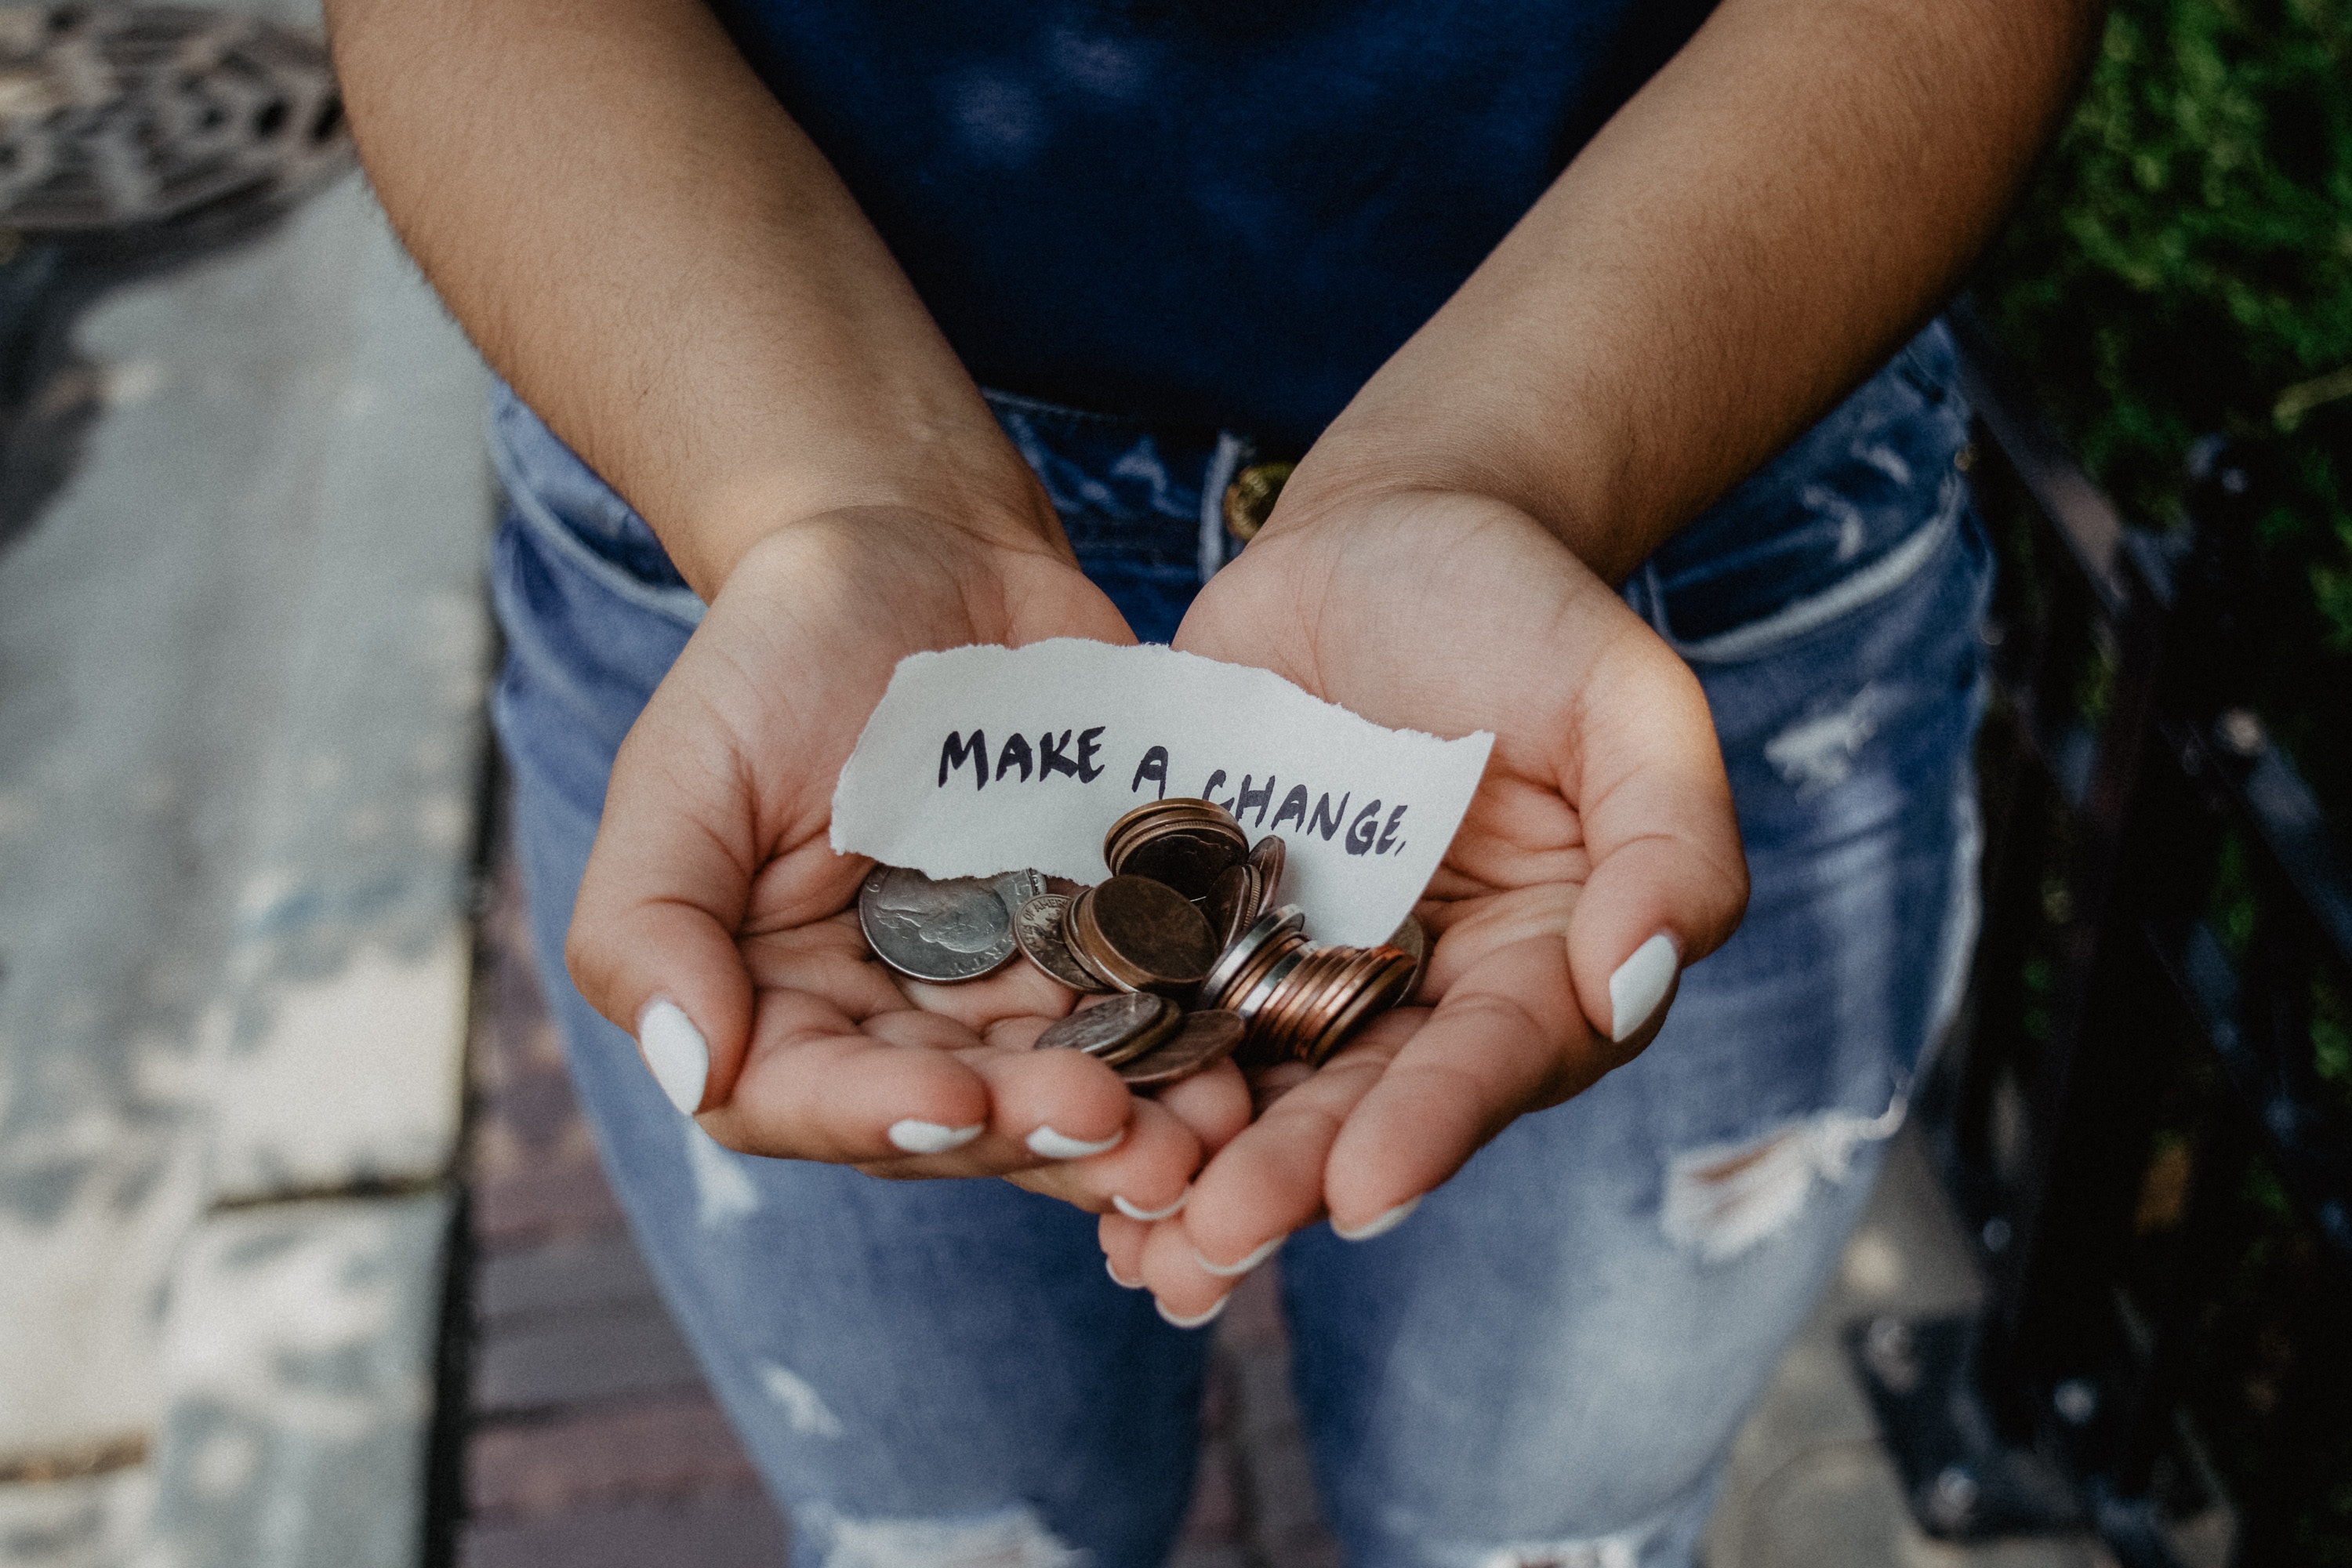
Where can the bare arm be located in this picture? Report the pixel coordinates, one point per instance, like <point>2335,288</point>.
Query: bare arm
<point>643,243</point>
<point>1750,236</point>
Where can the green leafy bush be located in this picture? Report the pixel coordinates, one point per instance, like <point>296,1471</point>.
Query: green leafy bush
<point>2183,266</point>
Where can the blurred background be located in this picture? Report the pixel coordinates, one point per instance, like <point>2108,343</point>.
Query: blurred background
<point>304,1257</point>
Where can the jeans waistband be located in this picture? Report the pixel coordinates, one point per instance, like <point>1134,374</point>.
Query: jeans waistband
<point>1829,523</point>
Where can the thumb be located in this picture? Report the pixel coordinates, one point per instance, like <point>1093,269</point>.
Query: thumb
<point>652,941</point>
<point>1669,881</point>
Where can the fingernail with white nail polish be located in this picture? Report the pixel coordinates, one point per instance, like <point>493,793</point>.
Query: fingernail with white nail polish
<point>1047,1143</point>
<point>1246,1265</point>
<point>931,1138</point>
<point>1381,1225</point>
<point>1122,1284</point>
<point>674,1050</point>
<point>1193,1322</point>
<point>1131,1212</point>
<point>1640,984</point>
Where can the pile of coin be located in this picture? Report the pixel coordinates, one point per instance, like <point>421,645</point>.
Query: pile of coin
<point>1183,939</point>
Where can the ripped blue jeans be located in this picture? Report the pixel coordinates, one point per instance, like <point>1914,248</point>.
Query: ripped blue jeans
<point>1549,1361</point>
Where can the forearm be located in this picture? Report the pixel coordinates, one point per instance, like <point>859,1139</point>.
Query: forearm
<point>641,241</point>
<point>1751,235</point>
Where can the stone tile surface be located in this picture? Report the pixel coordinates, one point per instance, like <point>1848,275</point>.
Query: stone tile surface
<point>299,1367</point>
<point>604,1455</point>
<point>241,655</point>
<point>83,1521</point>
<point>730,1529</point>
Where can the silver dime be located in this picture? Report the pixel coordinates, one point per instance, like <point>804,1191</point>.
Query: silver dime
<point>1234,959</point>
<point>1038,927</point>
<point>955,928</point>
<point>1017,888</point>
<point>1107,1027</point>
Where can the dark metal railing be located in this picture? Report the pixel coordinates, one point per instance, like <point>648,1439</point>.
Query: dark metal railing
<point>2143,1112</point>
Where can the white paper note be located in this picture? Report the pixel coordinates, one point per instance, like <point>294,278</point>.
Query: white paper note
<point>982,760</point>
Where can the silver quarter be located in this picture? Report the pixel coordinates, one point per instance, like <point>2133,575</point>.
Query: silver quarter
<point>950,928</point>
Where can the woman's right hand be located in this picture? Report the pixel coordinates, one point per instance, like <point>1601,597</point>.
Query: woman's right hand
<point>715,922</point>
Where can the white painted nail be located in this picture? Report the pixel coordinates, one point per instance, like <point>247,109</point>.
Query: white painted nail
<point>1640,984</point>
<point>1246,1265</point>
<point>1047,1143</point>
<point>1195,1322</point>
<point>1131,1212</point>
<point>1380,1225</point>
<point>674,1048</point>
<point>1122,1284</point>
<point>931,1138</point>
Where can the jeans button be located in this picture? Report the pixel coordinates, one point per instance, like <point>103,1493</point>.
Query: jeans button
<point>1249,500</point>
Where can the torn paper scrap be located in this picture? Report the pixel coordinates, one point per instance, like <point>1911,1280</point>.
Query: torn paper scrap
<point>982,760</point>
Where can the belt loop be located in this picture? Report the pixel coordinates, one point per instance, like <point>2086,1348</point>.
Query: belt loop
<point>1226,463</point>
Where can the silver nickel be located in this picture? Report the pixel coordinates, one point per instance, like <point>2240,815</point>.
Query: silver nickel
<point>943,930</point>
<point>1102,1029</point>
<point>1037,928</point>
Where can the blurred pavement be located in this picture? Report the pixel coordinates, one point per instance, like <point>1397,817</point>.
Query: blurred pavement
<point>241,669</point>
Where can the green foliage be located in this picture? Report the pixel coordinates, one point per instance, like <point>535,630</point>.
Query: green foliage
<point>2183,266</point>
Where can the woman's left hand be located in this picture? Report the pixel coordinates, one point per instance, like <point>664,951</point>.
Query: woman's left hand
<point>1599,855</point>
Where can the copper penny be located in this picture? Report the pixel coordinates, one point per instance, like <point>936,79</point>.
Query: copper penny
<point>1205,1038</point>
<point>1037,928</point>
<point>1413,942</point>
<point>1187,857</point>
<point>1269,857</point>
<point>1144,934</point>
<point>1388,983</point>
<point>1084,942</point>
<point>1234,903</point>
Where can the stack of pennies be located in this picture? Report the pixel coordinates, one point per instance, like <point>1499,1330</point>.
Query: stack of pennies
<point>1185,921</point>
<point>1300,1000</point>
<point>1185,844</point>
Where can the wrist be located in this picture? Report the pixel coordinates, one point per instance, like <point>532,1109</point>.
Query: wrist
<point>1379,453</point>
<point>733,523</point>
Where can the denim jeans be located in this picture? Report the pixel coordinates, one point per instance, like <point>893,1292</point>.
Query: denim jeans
<point>1548,1363</point>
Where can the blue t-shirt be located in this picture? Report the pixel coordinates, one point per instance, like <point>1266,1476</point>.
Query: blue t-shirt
<point>1205,212</point>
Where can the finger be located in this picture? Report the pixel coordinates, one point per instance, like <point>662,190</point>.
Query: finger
<point>1508,1037</point>
<point>1122,1244</point>
<point>651,945</point>
<point>1216,1104</point>
<point>1668,881</point>
<point>1018,990</point>
<point>1187,1294</point>
<point>1053,1106</point>
<point>1269,1180</point>
<point>1147,1177</point>
<point>817,1084</point>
